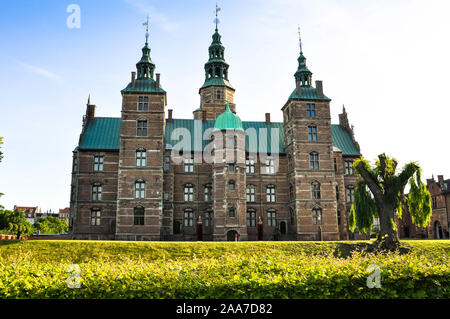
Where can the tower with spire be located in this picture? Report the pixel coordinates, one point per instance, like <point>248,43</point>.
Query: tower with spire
<point>216,89</point>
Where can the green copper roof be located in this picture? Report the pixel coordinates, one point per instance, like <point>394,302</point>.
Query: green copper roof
<point>228,121</point>
<point>308,93</point>
<point>103,133</point>
<point>147,85</point>
<point>217,82</point>
<point>343,141</point>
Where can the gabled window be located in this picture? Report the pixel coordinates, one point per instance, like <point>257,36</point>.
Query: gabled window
<point>348,167</point>
<point>271,218</point>
<point>270,194</point>
<point>350,191</point>
<point>98,163</point>
<point>142,128</point>
<point>188,165</point>
<point>251,217</point>
<point>95,217</point>
<point>312,133</point>
<point>208,193</point>
<point>96,192</point>
<point>143,103</point>
<point>139,186</point>
<point>250,191</point>
<point>231,185</point>
<point>317,216</point>
<point>250,166</point>
<point>232,212</point>
<point>313,160</point>
<point>270,166</point>
<point>188,217</point>
<point>139,215</point>
<point>315,190</point>
<point>188,193</point>
<point>310,110</point>
<point>141,158</point>
<point>208,218</point>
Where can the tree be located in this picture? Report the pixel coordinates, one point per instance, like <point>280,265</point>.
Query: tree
<point>15,222</point>
<point>380,193</point>
<point>51,225</point>
<point>1,154</point>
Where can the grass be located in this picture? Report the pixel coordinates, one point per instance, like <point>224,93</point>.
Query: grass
<point>115,269</point>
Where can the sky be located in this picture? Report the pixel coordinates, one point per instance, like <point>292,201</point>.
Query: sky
<point>386,61</point>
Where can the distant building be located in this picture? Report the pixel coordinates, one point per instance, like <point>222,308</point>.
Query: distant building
<point>30,212</point>
<point>64,213</point>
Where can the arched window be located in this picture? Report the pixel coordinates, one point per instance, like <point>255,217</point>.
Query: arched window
<point>270,194</point>
<point>315,190</point>
<point>188,217</point>
<point>312,133</point>
<point>271,218</point>
<point>139,188</point>
<point>139,215</point>
<point>251,217</point>
<point>188,193</point>
<point>97,192</point>
<point>313,160</point>
<point>317,216</point>
<point>231,185</point>
<point>232,212</point>
<point>141,157</point>
<point>250,193</point>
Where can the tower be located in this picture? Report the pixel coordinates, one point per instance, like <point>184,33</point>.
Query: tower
<point>309,147</point>
<point>216,89</point>
<point>140,175</point>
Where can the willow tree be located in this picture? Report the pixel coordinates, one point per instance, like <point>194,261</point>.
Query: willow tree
<point>380,193</point>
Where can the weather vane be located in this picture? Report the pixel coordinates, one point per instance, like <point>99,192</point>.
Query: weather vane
<point>300,39</point>
<point>146,30</point>
<point>216,20</point>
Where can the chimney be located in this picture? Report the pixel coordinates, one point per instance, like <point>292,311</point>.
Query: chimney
<point>440,179</point>
<point>430,181</point>
<point>133,79</point>
<point>158,76</point>
<point>90,110</point>
<point>267,118</point>
<point>204,116</point>
<point>319,89</point>
<point>169,115</point>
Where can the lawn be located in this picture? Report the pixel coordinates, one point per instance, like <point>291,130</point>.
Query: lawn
<point>115,269</point>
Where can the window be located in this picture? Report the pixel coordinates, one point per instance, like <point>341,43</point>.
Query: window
<point>251,217</point>
<point>97,192</point>
<point>348,167</point>
<point>166,196</point>
<point>337,193</point>
<point>312,133</point>
<point>317,216</point>
<point>270,166</point>
<point>208,193</point>
<point>218,95</point>
<point>231,185</point>
<point>271,218</point>
<point>143,103</point>
<point>270,193</point>
<point>314,160</point>
<point>95,217</point>
<point>166,163</point>
<point>232,212</point>
<point>315,190</point>
<point>98,163</point>
<point>139,189</point>
<point>250,166</point>
<point>188,217</point>
<point>75,164</point>
<point>142,128</point>
<point>291,192</point>
<point>188,165</point>
<point>231,167</point>
<point>141,158</point>
<point>139,214</point>
<point>434,202</point>
<point>176,227</point>
<point>188,193</point>
<point>310,110</point>
<point>335,164</point>
<point>339,217</point>
<point>250,194</point>
<point>208,218</point>
<point>350,190</point>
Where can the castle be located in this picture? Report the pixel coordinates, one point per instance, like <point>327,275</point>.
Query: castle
<point>150,176</point>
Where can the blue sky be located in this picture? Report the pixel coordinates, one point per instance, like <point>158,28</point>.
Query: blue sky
<point>387,61</point>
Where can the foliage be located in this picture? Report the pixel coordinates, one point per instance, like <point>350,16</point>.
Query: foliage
<point>363,210</point>
<point>419,202</point>
<point>14,221</point>
<point>221,270</point>
<point>51,225</point>
<point>1,154</point>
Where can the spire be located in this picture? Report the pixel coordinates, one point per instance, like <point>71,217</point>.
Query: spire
<point>89,99</point>
<point>216,69</point>
<point>145,66</point>
<point>303,76</point>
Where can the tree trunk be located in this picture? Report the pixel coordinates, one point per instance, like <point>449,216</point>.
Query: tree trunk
<point>388,238</point>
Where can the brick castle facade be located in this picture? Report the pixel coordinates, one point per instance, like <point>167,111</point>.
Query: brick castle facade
<point>145,176</point>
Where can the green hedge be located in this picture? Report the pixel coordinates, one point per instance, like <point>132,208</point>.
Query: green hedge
<point>37,269</point>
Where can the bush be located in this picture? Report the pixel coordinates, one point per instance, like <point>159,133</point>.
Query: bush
<point>37,269</point>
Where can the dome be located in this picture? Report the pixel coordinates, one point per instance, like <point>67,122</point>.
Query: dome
<point>228,121</point>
